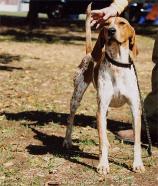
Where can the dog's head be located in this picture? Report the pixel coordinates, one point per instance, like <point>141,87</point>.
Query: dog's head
<point>119,30</point>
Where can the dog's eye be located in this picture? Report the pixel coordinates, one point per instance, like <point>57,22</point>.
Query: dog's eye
<point>122,23</point>
<point>106,24</point>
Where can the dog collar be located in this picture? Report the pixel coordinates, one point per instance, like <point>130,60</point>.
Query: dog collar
<point>119,64</point>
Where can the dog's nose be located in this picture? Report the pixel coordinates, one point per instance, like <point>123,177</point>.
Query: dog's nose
<point>111,31</point>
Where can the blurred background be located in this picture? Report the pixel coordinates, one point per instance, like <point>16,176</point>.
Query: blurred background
<point>139,11</point>
<point>42,43</point>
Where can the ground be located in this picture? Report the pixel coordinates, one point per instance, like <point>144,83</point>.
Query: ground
<point>36,72</point>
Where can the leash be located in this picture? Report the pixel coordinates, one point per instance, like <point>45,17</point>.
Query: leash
<point>128,65</point>
<point>149,149</point>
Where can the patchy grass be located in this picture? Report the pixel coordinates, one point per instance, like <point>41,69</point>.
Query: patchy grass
<point>36,71</point>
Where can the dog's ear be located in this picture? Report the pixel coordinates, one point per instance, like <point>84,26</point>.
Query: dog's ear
<point>132,43</point>
<point>97,50</point>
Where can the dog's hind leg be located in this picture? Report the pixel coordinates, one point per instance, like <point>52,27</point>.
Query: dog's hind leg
<point>81,81</point>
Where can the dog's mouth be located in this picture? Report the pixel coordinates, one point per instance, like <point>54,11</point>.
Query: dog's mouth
<point>113,39</point>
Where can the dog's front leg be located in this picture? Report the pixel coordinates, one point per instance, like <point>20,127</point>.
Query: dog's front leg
<point>103,166</point>
<point>104,98</point>
<point>138,163</point>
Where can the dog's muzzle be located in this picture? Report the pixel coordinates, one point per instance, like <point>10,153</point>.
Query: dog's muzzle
<point>111,31</point>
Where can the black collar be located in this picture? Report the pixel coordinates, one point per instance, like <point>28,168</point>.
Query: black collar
<point>119,64</point>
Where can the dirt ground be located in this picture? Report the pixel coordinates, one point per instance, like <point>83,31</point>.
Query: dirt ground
<point>36,71</point>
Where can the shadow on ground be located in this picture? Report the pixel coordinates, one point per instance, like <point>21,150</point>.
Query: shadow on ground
<point>40,118</point>
<point>9,68</point>
<point>6,58</point>
<point>146,30</point>
<point>53,144</point>
<point>38,36</point>
<point>17,30</point>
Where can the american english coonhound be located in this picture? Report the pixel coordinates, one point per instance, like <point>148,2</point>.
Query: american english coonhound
<point>112,72</point>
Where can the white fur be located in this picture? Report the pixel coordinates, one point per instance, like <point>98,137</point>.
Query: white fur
<point>117,86</point>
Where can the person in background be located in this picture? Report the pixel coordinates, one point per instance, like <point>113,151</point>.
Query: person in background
<point>116,8</point>
<point>151,101</point>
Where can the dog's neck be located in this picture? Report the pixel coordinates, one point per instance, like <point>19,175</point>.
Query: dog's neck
<point>118,52</point>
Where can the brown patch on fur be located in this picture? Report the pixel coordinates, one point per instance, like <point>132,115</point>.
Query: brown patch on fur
<point>133,46</point>
<point>115,70</point>
<point>96,71</point>
<point>125,36</point>
<point>113,48</point>
<point>88,73</point>
<point>97,50</point>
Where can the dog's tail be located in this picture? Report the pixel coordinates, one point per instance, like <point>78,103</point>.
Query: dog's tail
<point>88,30</point>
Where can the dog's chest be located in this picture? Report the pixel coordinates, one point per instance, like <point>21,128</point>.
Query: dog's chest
<point>117,81</point>
<point>119,89</point>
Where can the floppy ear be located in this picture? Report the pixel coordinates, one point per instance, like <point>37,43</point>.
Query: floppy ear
<point>132,43</point>
<point>97,50</point>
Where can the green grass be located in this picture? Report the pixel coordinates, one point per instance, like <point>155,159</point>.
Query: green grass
<point>16,14</point>
<point>20,14</point>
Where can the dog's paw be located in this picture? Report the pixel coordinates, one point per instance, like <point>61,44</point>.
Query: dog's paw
<point>103,169</point>
<point>67,143</point>
<point>138,167</point>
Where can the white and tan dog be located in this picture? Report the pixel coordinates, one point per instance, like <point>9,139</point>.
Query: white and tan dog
<point>115,80</point>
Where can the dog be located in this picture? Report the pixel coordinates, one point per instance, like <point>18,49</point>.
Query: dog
<point>112,72</point>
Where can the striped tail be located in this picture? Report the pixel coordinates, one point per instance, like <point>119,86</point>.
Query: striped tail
<point>88,30</point>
